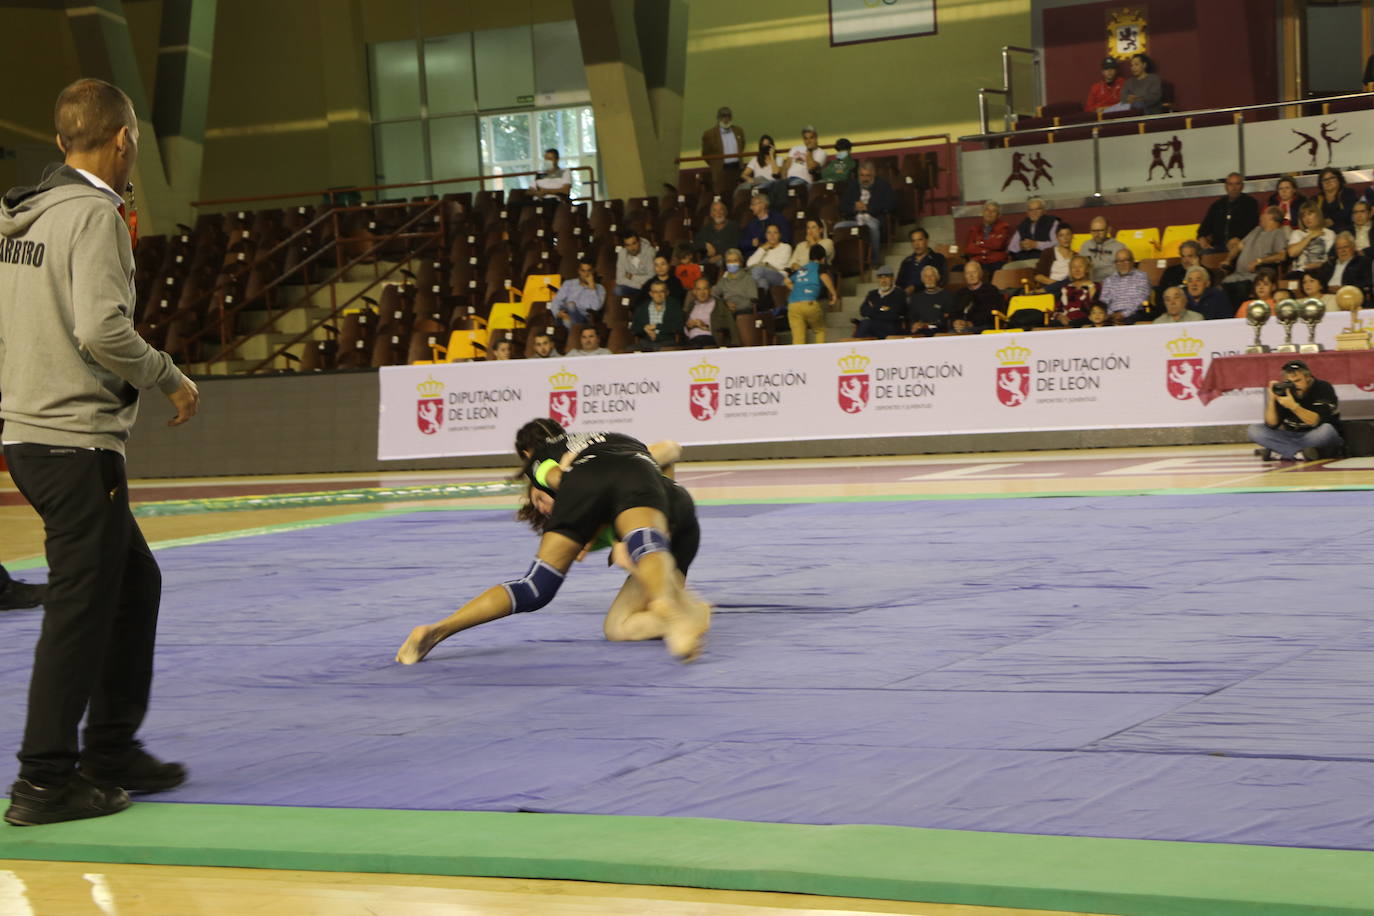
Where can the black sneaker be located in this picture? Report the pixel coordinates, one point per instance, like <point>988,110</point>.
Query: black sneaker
<point>31,805</point>
<point>16,595</point>
<point>1311,454</point>
<point>139,772</point>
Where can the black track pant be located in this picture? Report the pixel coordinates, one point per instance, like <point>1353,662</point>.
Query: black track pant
<point>95,653</point>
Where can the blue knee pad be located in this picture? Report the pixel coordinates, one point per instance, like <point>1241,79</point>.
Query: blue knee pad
<point>643,541</point>
<point>535,590</point>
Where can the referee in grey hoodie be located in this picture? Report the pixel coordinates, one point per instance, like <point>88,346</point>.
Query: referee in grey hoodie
<point>71,370</point>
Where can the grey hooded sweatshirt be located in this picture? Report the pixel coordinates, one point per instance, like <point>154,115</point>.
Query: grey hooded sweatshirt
<point>71,363</point>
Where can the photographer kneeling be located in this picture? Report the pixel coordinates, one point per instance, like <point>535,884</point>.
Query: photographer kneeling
<point>1301,417</point>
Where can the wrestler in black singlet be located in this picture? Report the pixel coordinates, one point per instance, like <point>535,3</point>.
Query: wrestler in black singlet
<point>611,472</point>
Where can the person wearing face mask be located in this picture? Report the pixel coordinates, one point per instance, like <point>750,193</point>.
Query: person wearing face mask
<point>840,169</point>
<point>554,182</point>
<point>721,144</point>
<point>736,287</point>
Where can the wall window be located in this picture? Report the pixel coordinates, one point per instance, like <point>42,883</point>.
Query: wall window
<point>516,142</point>
<point>489,103</point>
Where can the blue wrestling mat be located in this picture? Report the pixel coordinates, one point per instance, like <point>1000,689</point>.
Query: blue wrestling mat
<point>1170,668</point>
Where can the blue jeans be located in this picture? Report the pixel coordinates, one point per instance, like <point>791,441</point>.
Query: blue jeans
<point>1290,443</point>
<point>875,233</point>
<point>777,191</point>
<point>766,276</point>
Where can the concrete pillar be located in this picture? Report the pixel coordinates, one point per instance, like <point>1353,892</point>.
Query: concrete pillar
<point>167,177</point>
<point>662,29</point>
<point>635,52</point>
<point>182,92</point>
<point>348,105</point>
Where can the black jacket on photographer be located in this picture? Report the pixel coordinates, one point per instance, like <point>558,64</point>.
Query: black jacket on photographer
<point>1320,398</point>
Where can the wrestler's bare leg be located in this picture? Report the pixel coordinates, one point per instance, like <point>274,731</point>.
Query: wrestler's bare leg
<point>684,624</point>
<point>628,619</point>
<point>555,549</point>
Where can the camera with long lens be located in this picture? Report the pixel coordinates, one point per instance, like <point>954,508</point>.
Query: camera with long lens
<point>1282,388</point>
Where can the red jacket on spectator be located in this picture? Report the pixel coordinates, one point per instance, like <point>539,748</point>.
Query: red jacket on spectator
<point>990,249</point>
<point>1104,95</point>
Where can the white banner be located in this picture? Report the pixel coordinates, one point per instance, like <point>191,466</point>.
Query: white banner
<point>1169,158</point>
<point>1025,171</point>
<point>1142,376</point>
<point>1345,141</point>
<point>853,21</point>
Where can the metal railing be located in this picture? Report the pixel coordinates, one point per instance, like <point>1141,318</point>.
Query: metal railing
<point>1168,116</point>
<point>1008,90</point>
<point>337,308</point>
<point>1238,112</point>
<point>945,182</point>
<point>222,323</point>
<point>334,193</point>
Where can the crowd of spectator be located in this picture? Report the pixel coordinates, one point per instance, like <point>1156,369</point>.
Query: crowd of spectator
<point>1309,247</point>
<point>695,293</point>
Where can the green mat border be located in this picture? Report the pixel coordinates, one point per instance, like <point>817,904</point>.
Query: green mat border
<point>1125,877</point>
<point>365,495</point>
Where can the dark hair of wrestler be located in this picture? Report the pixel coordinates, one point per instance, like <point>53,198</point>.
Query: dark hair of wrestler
<point>534,434</point>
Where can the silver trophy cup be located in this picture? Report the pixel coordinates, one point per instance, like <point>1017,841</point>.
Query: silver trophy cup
<point>1311,312</point>
<point>1256,315</point>
<point>1287,316</point>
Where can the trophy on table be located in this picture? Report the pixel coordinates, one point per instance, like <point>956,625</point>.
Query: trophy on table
<point>1354,337</point>
<point>1256,314</point>
<point>1287,315</point>
<point>1311,311</point>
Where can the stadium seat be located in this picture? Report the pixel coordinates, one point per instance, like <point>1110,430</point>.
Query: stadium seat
<point>1043,303</point>
<point>1060,109</point>
<point>507,316</point>
<point>1005,278</point>
<point>462,345</point>
<point>1154,268</point>
<point>1175,236</point>
<point>1080,239</point>
<point>851,251</point>
<point>1143,243</point>
<point>538,288</point>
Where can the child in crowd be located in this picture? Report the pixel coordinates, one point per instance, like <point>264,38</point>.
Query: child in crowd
<point>805,286</point>
<point>686,268</point>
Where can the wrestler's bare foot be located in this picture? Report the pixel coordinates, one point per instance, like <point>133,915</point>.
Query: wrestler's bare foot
<point>685,630</point>
<point>417,645</point>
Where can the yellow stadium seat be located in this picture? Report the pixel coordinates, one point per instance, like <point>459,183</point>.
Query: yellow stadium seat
<point>463,345</point>
<point>537,289</point>
<point>507,316</point>
<point>1080,239</point>
<point>1143,243</point>
<point>1043,303</point>
<point>1175,236</point>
